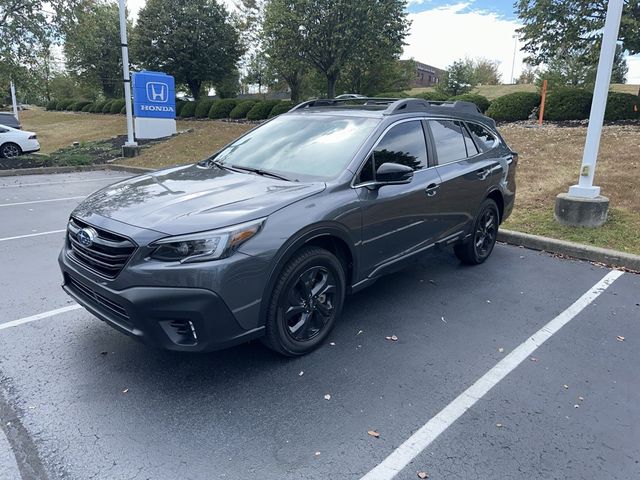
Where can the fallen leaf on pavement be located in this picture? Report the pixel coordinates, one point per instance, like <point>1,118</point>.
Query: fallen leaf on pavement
<point>317,454</point>
<point>333,344</point>
<point>360,332</point>
<point>125,390</point>
<point>373,433</point>
<point>393,338</point>
<point>566,386</point>
<point>501,350</point>
<point>620,338</point>
<point>581,399</point>
<point>423,475</point>
<point>533,359</point>
<point>499,425</point>
<point>301,373</point>
<point>576,406</point>
<point>327,397</point>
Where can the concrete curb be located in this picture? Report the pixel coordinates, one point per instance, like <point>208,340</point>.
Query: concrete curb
<point>70,169</point>
<point>612,258</point>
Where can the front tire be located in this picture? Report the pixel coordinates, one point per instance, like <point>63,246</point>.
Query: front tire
<point>305,302</point>
<point>10,150</point>
<point>485,232</point>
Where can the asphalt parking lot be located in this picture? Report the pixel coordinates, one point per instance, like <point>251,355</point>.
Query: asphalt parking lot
<point>78,400</point>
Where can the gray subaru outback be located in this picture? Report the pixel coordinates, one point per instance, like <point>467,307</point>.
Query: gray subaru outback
<point>266,238</point>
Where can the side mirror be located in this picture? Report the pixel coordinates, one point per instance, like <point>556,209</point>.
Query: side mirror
<point>393,173</point>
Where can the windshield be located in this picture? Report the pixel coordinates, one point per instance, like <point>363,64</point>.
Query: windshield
<point>300,147</point>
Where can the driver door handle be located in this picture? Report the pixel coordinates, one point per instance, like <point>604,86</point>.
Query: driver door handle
<point>432,189</point>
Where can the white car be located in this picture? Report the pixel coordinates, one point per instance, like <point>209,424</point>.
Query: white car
<point>14,142</point>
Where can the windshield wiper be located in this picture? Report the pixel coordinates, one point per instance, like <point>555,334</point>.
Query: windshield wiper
<point>208,162</point>
<point>264,173</point>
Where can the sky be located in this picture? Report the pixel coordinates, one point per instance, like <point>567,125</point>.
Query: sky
<point>444,31</point>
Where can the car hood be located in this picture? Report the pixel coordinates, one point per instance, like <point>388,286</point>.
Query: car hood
<point>192,199</point>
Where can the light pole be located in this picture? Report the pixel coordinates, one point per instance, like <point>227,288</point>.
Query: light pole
<point>130,148</point>
<point>13,101</point>
<point>513,63</point>
<point>583,205</point>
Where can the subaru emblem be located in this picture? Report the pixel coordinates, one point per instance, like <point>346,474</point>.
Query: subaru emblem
<point>86,236</point>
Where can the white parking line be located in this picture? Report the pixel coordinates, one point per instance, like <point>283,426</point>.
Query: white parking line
<point>40,184</point>
<point>39,316</point>
<point>421,439</point>
<point>30,235</point>
<point>41,201</point>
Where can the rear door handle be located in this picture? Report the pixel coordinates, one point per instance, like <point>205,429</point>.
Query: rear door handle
<point>432,189</point>
<point>483,173</point>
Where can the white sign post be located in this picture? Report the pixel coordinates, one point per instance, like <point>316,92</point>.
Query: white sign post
<point>131,146</point>
<point>585,186</point>
<point>583,205</point>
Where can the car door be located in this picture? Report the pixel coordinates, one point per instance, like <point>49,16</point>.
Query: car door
<point>397,220</point>
<point>466,174</point>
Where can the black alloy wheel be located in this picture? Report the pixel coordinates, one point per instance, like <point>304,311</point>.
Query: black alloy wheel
<point>305,303</point>
<point>485,233</point>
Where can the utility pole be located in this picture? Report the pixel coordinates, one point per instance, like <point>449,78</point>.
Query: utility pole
<point>130,148</point>
<point>513,63</point>
<point>14,102</point>
<point>583,205</point>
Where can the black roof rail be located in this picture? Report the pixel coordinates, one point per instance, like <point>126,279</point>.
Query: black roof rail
<point>395,105</point>
<point>332,102</point>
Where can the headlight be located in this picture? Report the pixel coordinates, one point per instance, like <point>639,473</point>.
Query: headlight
<point>203,246</point>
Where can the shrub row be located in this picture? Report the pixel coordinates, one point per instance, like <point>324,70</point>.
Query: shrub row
<point>232,108</point>
<point>100,106</point>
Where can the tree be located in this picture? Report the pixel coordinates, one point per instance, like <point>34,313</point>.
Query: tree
<point>528,76</point>
<point>486,71</point>
<point>27,28</point>
<point>334,32</point>
<point>572,68</point>
<point>282,40</point>
<point>377,75</point>
<point>257,70</point>
<point>92,47</point>
<point>550,24</point>
<point>459,78</point>
<point>193,40</point>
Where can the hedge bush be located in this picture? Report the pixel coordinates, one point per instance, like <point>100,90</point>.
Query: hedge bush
<point>188,110</point>
<point>97,106</point>
<point>392,95</point>
<point>261,110</point>
<point>51,105</point>
<point>179,105</point>
<point>80,104</point>
<point>203,107</point>
<point>514,106</point>
<point>622,106</point>
<point>280,108</point>
<point>116,105</point>
<point>106,108</point>
<point>433,96</point>
<point>568,104</point>
<point>241,110</point>
<point>87,107</point>
<point>480,101</point>
<point>63,104</point>
<point>223,108</point>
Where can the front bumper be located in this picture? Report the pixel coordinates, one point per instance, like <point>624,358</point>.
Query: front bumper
<point>171,318</point>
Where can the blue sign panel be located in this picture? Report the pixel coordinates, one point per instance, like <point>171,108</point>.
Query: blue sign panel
<point>154,95</point>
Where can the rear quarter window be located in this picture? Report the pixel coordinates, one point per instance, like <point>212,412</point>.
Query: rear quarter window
<point>485,140</point>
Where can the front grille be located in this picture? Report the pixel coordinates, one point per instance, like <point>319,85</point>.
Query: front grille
<point>107,254</point>
<point>94,297</point>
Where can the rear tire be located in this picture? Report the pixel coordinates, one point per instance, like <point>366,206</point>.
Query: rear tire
<point>485,232</point>
<point>10,150</point>
<point>305,303</point>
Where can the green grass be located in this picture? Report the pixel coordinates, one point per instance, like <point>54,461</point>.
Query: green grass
<point>619,233</point>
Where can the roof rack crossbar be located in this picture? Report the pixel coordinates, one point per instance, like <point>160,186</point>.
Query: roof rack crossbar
<point>394,105</point>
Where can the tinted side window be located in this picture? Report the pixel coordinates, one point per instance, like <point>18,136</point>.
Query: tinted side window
<point>449,141</point>
<point>471,148</point>
<point>484,139</point>
<point>403,144</point>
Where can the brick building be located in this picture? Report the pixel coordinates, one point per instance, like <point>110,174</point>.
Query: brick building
<point>426,75</point>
